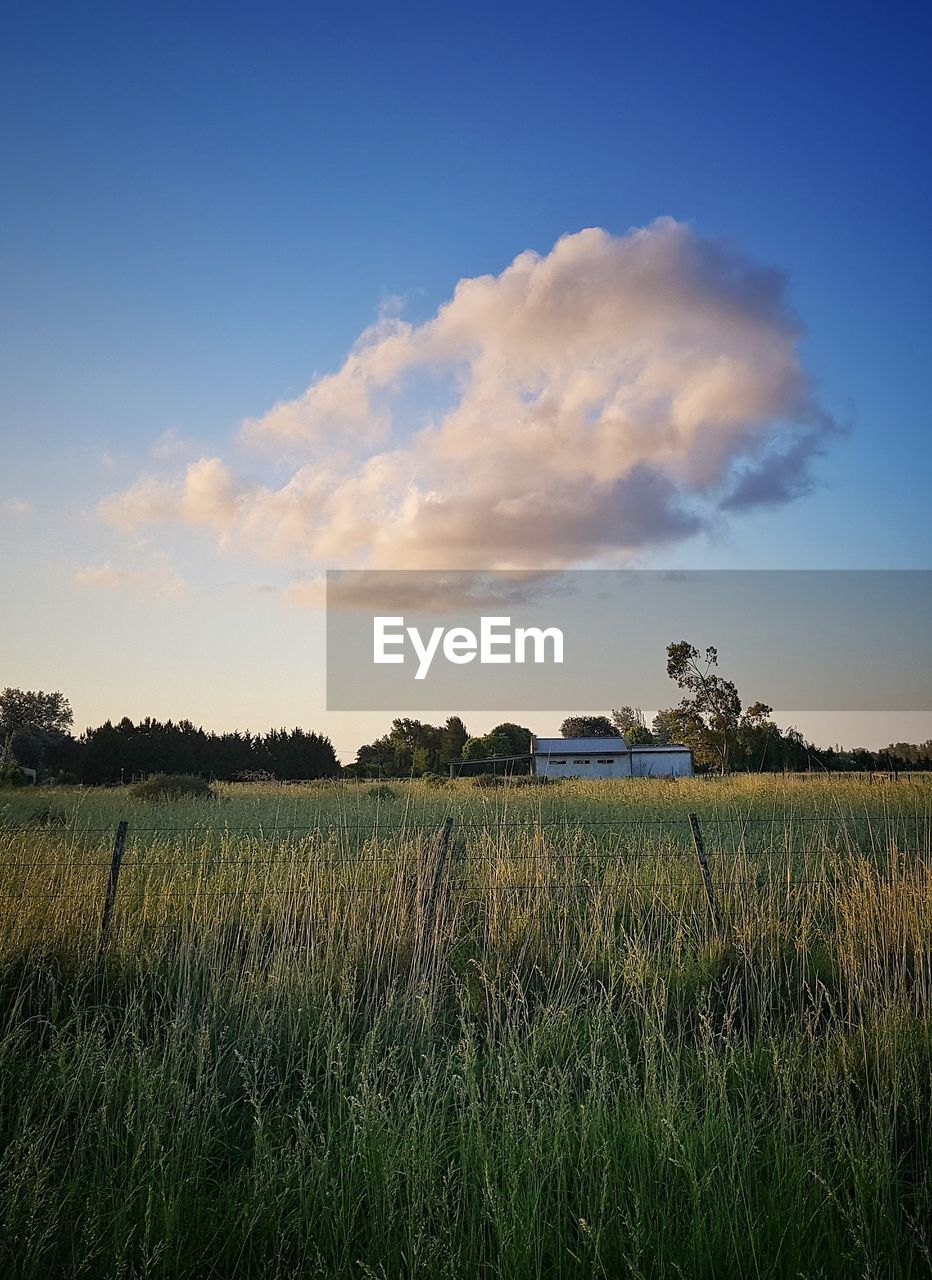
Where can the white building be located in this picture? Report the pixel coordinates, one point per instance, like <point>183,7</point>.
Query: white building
<point>607,758</point>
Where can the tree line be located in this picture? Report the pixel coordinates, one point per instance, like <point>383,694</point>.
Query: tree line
<point>723,734</point>
<point>710,719</point>
<point>412,748</point>
<point>756,744</point>
<point>36,734</point>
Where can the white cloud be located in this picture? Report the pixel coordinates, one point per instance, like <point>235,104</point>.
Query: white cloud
<point>207,494</point>
<point>611,396</point>
<point>171,445</point>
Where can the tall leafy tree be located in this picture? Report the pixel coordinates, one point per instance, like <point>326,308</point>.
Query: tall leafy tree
<point>453,738</point>
<point>758,740</point>
<point>41,712</point>
<point>712,702</point>
<point>32,722</point>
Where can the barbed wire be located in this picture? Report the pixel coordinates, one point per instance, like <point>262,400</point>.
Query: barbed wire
<point>482,823</point>
<point>350,859</point>
<point>543,886</point>
<point>393,888</point>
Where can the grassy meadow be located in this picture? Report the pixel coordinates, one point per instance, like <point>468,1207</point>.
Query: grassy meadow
<point>311,1050</point>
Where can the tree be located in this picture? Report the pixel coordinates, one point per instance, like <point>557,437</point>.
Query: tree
<point>510,739</point>
<point>713,702</point>
<point>411,748</point>
<point>299,755</point>
<point>40,712</point>
<point>453,738</point>
<point>758,739</point>
<point>663,727</point>
<point>31,722</point>
<point>475,749</point>
<point>630,723</point>
<point>683,725</point>
<point>588,727</point>
<point>505,742</point>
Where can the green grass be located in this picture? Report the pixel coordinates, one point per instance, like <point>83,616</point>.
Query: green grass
<point>297,1060</point>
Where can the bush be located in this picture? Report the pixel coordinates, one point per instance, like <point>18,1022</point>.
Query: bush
<point>382,792</point>
<point>172,786</point>
<point>509,780</point>
<point>11,775</point>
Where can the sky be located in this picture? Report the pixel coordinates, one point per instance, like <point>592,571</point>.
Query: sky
<point>289,288</point>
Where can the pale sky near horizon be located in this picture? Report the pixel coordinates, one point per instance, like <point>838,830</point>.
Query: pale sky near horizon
<point>293,288</point>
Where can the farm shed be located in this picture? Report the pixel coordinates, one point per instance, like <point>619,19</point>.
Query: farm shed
<point>607,758</point>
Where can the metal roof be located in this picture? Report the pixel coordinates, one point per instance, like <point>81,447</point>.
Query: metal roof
<point>579,746</point>
<point>594,747</point>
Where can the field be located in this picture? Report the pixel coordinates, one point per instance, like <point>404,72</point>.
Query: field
<point>323,1042</point>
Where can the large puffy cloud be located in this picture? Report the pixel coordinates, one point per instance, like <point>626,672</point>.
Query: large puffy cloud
<point>611,396</point>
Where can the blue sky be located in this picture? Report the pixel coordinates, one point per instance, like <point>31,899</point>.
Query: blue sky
<point>206,205</point>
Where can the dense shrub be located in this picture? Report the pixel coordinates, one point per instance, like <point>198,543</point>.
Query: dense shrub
<point>382,792</point>
<point>509,780</point>
<point>435,779</point>
<point>172,786</point>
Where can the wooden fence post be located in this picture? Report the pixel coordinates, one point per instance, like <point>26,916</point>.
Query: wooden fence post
<point>110,895</point>
<point>432,897</point>
<point>440,866</point>
<point>704,866</point>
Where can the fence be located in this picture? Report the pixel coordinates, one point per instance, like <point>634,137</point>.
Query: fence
<point>521,860</point>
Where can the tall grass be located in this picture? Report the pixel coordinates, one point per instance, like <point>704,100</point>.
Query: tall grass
<point>295,1062</point>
